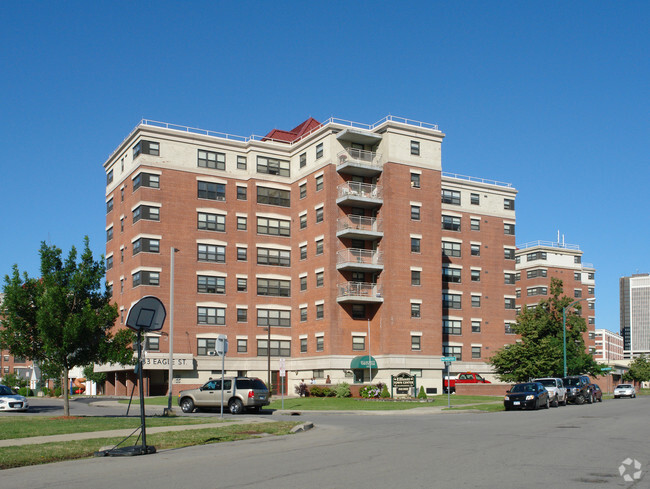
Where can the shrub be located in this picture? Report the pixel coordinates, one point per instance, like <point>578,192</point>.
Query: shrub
<point>422,394</point>
<point>372,391</point>
<point>25,391</point>
<point>342,389</point>
<point>58,392</point>
<point>384,392</point>
<point>317,391</point>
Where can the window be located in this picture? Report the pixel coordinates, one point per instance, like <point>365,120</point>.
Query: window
<point>146,278</point>
<point>122,194</point>
<point>476,326</point>
<point>146,212</point>
<point>358,311</point>
<point>303,252</point>
<point>476,352</point>
<point>121,224</point>
<point>211,222</point>
<point>509,253</point>
<point>303,314</point>
<point>358,343</point>
<point>577,293</point>
<point>242,284</point>
<point>210,285</point>
<point>211,315</point>
<point>450,249</point>
<point>146,245</point>
<point>509,229</point>
<point>509,303</point>
<point>303,283</point>
<point>452,326</point>
<point>590,276</point>
<point>415,245</point>
<point>509,204</point>
<point>592,320</point>
<point>273,196</point>
<point>109,177</point>
<point>273,166</point>
<point>242,253</point>
<point>591,290</point>
<point>577,276</point>
<point>303,190</point>
<point>303,160</point>
<point>451,223</point>
<point>451,275</point>
<point>452,351</point>
<point>270,256</point>
<point>109,205</point>
<point>509,278</point>
<point>273,227</point>
<point>279,348</point>
<point>416,342</point>
<point>205,345</point>
<point>146,148</point>
<point>320,343</point>
<point>451,301</point>
<point>319,247</point>
<point>319,214</point>
<point>152,343</point>
<point>242,346</point>
<point>476,301</point>
<point>539,272</point>
<point>474,199</point>
<point>274,287</point>
<point>242,315</point>
<point>517,277</point>
<point>319,150</point>
<point>415,310</point>
<point>242,164</point>
<point>121,255</point>
<point>319,183</point>
<point>509,329</point>
<point>577,259</point>
<point>415,148</point>
<point>146,180</point>
<point>415,212</point>
<point>303,345</point>
<point>274,317</point>
<point>109,234</point>
<point>532,291</point>
<point>538,255</point>
<point>109,262</point>
<point>518,293</point>
<point>475,224</point>
<point>415,277</point>
<point>242,223</point>
<point>476,275</point>
<point>320,311</point>
<point>303,221</point>
<point>209,159</point>
<point>415,180</point>
<point>591,306</point>
<point>450,197</point>
<point>320,279</point>
<point>212,253</point>
<point>211,191</point>
<point>242,194</point>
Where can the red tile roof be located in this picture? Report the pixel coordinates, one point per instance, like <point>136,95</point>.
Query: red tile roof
<point>295,133</point>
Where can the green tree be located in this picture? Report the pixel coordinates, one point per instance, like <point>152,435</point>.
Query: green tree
<point>539,351</point>
<point>639,370</point>
<point>64,318</point>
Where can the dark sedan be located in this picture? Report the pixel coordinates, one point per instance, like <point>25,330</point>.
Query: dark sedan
<point>529,395</point>
<point>596,393</point>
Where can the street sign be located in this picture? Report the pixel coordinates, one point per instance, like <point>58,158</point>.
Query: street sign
<point>282,367</point>
<point>606,369</point>
<point>447,359</point>
<point>221,346</point>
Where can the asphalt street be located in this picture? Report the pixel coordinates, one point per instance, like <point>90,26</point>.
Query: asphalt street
<point>572,446</point>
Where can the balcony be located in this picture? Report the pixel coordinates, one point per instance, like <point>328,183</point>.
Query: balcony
<point>357,260</point>
<point>359,227</point>
<point>359,162</point>
<point>359,292</point>
<point>356,194</point>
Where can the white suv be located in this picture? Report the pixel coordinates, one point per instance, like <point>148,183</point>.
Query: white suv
<point>556,390</point>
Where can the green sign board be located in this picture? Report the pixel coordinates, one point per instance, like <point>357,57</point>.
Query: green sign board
<point>447,359</point>
<point>606,369</point>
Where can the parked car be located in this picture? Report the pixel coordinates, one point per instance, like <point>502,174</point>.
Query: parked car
<point>532,395</point>
<point>556,390</point>
<point>449,384</point>
<point>624,390</point>
<point>10,401</point>
<point>239,393</point>
<point>578,389</point>
<point>596,393</point>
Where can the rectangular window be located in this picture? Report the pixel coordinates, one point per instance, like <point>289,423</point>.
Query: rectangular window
<point>416,344</point>
<point>274,287</point>
<point>109,234</point>
<point>476,275</point>
<point>415,310</point>
<point>358,311</point>
<point>577,293</point>
<point>270,256</point>
<point>146,278</point>
<point>211,315</point>
<point>211,222</point>
<point>509,278</point>
<point>358,343</point>
<point>518,293</point>
<point>451,223</point>
<point>303,252</point>
<point>273,227</point>
<point>415,245</point>
<point>211,285</point>
<point>509,253</point>
<point>476,301</point>
<point>303,314</point>
<point>538,255</point>
<point>146,212</point>
<point>591,290</point>
<point>242,284</point>
<point>146,148</point>
<point>538,272</point>
<point>303,345</point>
<point>319,247</point>
<point>509,303</point>
<point>474,199</point>
<point>320,343</point>
<point>475,224</point>
<point>509,229</point>
<point>476,352</point>
<point>452,351</point>
<point>242,223</point>
<point>320,311</point>
<point>146,180</point>
<point>303,283</point>
<point>450,249</point>
<point>450,197</point>
<point>145,245</point>
<point>209,159</point>
<point>242,193</point>
<point>212,253</point>
<point>415,277</point>
<point>274,317</point>
<point>451,275</point>
<point>319,150</point>
<point>109,263</point>
<point>451,301</point>
<point>475,250</point>
<point>303,190</point>
<point>109,205</point>
<point>319,183</point>
<point>415,212</point>
<point>279,348</point>
<point>242,164</point>
<point>577,276</point>
<point>415,148</point>
<point>452,326</point>
<point>532,291</point>
<point>242,315</point>
<point>508,327</point>
<point>320,279</point>
<point>590,276</point>
<point>242,346</point>
<point>242,254</point>
<point>476,326</point>
<point>152,343</point>
<point>303,221</point>
<point>211,191</point>
<point>577,259</point>
<point>509,204</point>
<point>415,180</point>
<point>319,214</point>
<point>205,345</point>
<point>272,166</point>
<point>109,177</point>
<point>273,196</point>
<point>303,160</point>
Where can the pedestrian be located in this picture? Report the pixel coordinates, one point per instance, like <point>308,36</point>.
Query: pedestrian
<point>313,381</point>
<point>302,389</point>
<point>328,380</point>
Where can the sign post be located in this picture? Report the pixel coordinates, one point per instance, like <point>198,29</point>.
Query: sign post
<point>221,349</point>
<point>448,361</point>
<point>283,372</point>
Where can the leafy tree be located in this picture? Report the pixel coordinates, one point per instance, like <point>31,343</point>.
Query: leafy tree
<point>639,370</point>
<point>14,381</point>
<point>539,352</point>
<point>64,318</point>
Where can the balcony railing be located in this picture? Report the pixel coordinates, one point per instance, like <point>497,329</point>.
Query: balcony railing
<point>360,257</point>
<point>360,157</point>
<point>360,223</point>
<point>360,289</point>
<point>360,190</point>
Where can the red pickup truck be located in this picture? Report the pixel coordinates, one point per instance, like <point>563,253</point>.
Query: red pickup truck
<point>462,378</point>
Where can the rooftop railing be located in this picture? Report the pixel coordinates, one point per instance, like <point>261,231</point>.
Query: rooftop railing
<point>359,289</point>
<point>548,244</point>
<point>467,178</point>
<point>358,189</point>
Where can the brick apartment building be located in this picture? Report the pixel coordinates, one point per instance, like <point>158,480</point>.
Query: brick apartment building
<point>540,261</point>
<point>609,346</point>
<point>337,241</point>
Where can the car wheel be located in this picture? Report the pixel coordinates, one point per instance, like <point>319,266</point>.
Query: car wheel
<point>547,404</point>
<point>633,396</point>
<point>556,402</point>
<point>507,408</point>
<point>600,399</point>
<point>615,397</point>
<point>589,399</point>
<point>564,402</point>
<point>580,399</point>
<point>187,406</point>
<point>235,406</point>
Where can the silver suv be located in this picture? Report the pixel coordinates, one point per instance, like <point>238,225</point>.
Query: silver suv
<point>556,390</point>
<point>239,393</point>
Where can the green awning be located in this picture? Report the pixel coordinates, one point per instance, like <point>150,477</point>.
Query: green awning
<point>364,361</point>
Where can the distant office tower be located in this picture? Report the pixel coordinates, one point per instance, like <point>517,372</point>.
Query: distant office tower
<point>635,314</point>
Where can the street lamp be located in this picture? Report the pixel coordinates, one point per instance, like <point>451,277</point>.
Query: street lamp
<point>268,358</point>
<point>591,299</point>
<point>171,328</point>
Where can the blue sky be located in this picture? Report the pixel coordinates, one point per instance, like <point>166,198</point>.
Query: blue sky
<point>550,96</point>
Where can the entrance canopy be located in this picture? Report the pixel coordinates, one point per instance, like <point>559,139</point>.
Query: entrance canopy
<point>363,361</point>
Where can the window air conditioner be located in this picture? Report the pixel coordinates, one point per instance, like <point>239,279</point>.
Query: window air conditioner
<point>212,353</point>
